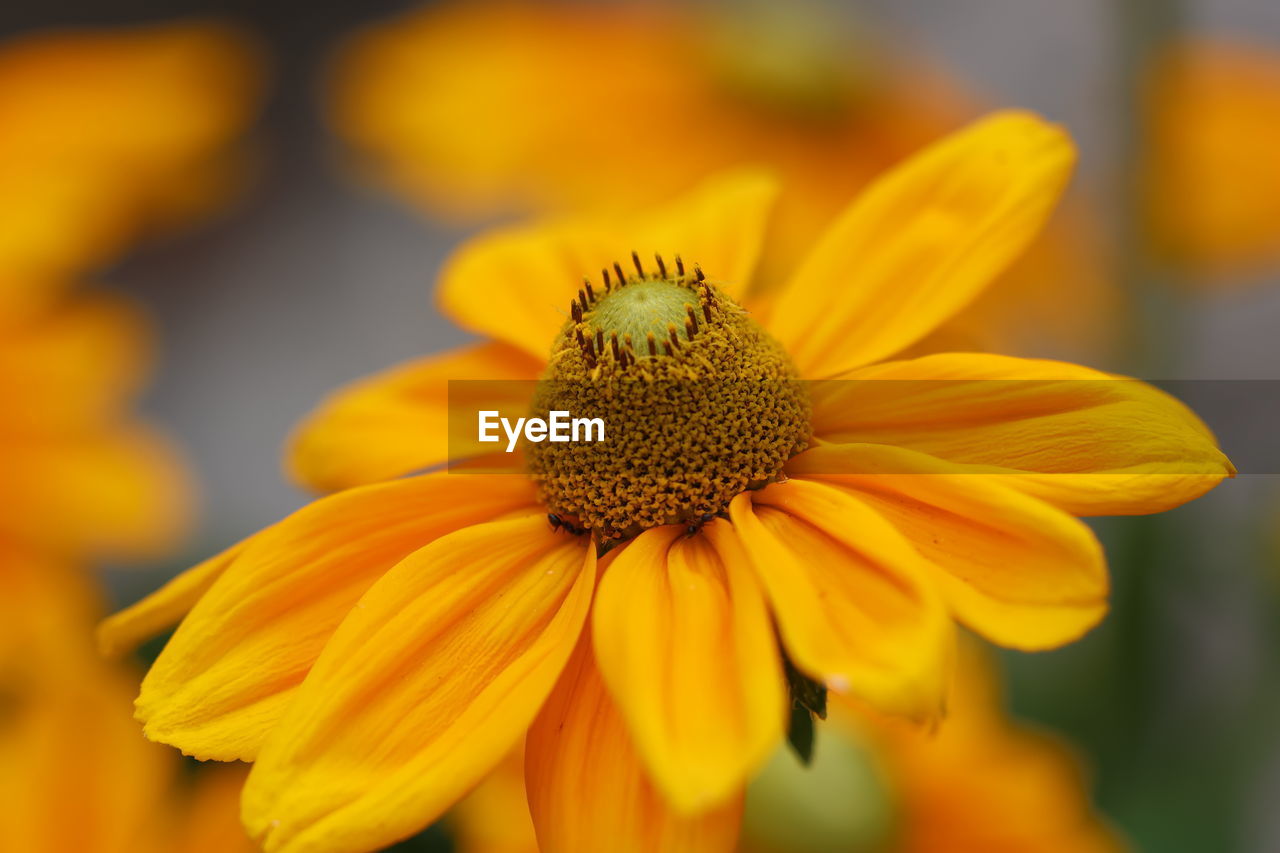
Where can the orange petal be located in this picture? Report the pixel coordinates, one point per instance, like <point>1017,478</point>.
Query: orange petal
<point>397,421</point>
<point>854,602</point>
<point>1088,442</point>
<point>515,285</point>
<point>684,642</point>
<point>227,674</point>
<point>920,243</point>
<point>588,790</point>
<point>431,680</point>
<point>1015,569</point>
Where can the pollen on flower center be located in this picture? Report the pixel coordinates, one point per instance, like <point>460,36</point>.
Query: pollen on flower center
<point>700,404</point>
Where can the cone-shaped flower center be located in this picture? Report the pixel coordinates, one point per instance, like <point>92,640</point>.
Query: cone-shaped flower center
<point>699,404</point>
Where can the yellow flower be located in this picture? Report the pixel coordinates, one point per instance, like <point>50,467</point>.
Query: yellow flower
<point>975,783</point>
<point>110,133</point>
<point>74,775</point>
<point>482,108</point>
<point>1212,177</point>
<point>378,652</point>
<point>80,474</point>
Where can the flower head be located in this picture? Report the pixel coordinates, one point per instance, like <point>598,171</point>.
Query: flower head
<point>379,651</point>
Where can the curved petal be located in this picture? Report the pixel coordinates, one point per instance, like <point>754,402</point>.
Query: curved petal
<point>227,674</point>
<point>397,421</point>
<point>424,688</point>
<point>1013,568</point>
<point>515,285</point>
<point>124,631</point>
<point>854,601</point>
<point>919,244</point>
<point>684,642</point>
<point>588,790</point>
<point>1088,442</point>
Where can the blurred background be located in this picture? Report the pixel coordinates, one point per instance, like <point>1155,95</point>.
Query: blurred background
<point>316,267</point>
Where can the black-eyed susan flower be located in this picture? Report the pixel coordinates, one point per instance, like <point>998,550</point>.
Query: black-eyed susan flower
<point>111,133</point>
<point>378,652</point>
<point>477,109</point>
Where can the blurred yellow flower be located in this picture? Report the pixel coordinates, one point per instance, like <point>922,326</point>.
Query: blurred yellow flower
<point>74,774</point>
<point>80,474</point>
<point>108,133</point>
<point>1213,177</point>
<point>975,784</point>
<point>483,108</point>
<point>380,651</point>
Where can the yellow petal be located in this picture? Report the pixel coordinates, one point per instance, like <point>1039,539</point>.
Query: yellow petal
<point>923,241</point>
<point>515,285</point>
<point>494,818</point>
<point>1015,569</point>
<point>227,674</point>
<point>854,602</point>
<point>73,366</point>
<point>431,680</point>
<point>397,421</point>
<point>1088,442</point>
<point>118,490</point>
<point>588,790</point>
<point>683,638</point>
<point>124,631</point>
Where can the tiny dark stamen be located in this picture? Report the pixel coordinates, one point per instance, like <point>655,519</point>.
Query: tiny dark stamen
<point>674,334</point>
<point>706,311</point>
<point>613,344</point>
<point>575,310</point>
<point>666,346</point>
<point>617,268</point>
<point>608,284</point>
<point>635,259</point>
<point>662,265</point>
<point>600,340</point>
<point>693,318</point>
<point>679,266</point>
<point>653,344</point>
<point>591,293</point>
<point>697,271</point>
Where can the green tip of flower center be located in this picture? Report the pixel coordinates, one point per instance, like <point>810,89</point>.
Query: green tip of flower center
<point>643,308</point>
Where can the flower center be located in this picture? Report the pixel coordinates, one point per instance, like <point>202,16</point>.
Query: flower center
<point>699,404</point>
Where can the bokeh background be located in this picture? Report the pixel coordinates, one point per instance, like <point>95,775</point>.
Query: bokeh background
<point>312,277</point>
